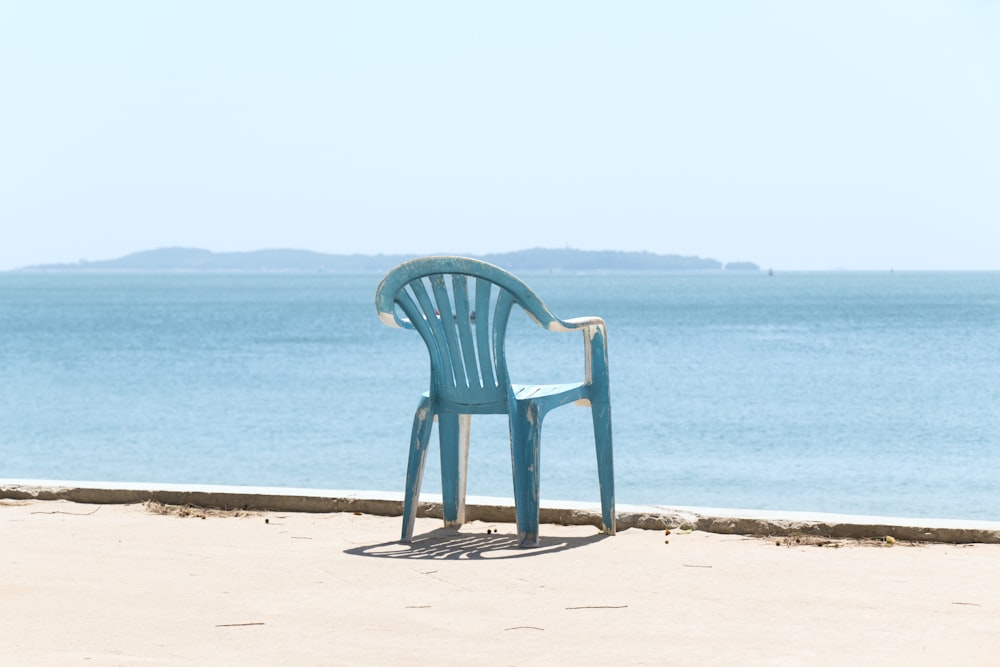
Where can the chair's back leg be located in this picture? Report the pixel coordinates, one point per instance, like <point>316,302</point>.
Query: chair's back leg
<point>525,451</point>
<point>423,421</point>
<point>453,434</point>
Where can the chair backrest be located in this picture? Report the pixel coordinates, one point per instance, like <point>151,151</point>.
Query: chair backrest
<point>461,308</point>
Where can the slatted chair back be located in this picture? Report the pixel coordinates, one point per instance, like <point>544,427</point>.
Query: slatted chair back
<point>461,309</point>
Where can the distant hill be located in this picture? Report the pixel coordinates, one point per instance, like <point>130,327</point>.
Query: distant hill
<point>197,259</point>
<point>535,259</point>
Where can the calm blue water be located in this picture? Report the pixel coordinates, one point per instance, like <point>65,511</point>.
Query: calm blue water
<point>834,392</point>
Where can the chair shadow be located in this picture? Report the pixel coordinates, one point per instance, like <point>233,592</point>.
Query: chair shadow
<point>450,544</point>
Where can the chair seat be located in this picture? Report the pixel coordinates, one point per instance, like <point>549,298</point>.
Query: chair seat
<point>552,395</point>
<point>573,391</point>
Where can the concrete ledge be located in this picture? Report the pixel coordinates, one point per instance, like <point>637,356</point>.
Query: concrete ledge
<point>501,510</point>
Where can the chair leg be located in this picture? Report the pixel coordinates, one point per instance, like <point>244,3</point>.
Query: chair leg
<point>423,421</point>
<point>605,464</point>
<point>453,433</point>
<point>525,441</point>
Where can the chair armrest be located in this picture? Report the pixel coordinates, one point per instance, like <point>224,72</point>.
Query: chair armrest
<point>595,346</point>
<point>576,323</point>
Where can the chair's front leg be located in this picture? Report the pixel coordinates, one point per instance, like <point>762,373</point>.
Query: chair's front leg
<point>605,463</point>
<point>600,401</point>
<point>453,432</point>
<point>423,421</point>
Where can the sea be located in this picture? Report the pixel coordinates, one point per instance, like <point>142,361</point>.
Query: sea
<point>843,392</point>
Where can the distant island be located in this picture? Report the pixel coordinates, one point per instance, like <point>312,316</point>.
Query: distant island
<point>535,259</point>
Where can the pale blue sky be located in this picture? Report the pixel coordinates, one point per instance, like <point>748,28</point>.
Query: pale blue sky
<point>800,135</point>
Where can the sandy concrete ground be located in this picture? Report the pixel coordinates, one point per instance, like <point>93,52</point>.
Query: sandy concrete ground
<point>133,585</point>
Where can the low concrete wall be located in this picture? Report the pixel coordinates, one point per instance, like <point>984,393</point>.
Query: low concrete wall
<point>764,524</point>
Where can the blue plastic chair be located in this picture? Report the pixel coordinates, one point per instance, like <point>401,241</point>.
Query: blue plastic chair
<point>461,307</point>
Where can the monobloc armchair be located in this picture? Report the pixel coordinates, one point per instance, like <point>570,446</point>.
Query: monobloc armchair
<point>461,307</point>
